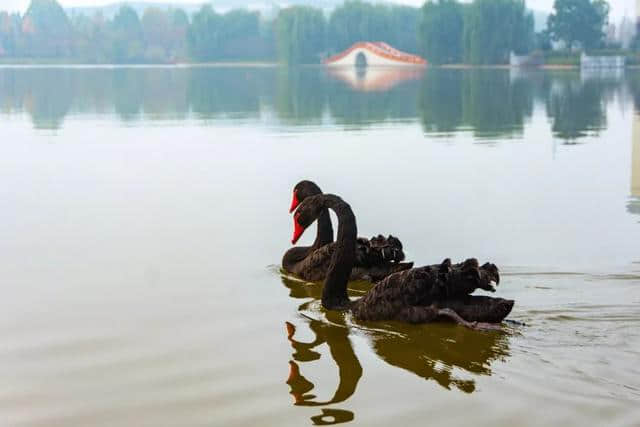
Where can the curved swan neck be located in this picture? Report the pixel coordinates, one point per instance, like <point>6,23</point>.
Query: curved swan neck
<point>324,235</point>
<point>334,292</point>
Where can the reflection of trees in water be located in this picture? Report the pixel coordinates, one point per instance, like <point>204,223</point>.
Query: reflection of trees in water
<point>301,96</point>
<point>128,93</point>
<point>491,103</point>
<point>578,108</point>
<point>226,91</point>
<point>353,107</point>
<point>46,94</point>
<point>10,97</point>
<point>485,101</point>
<point>165,93</point>
<point>440,101</point>
<point>433,352</point>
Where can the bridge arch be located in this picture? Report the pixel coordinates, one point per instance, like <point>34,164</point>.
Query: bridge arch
<point>374,54</point>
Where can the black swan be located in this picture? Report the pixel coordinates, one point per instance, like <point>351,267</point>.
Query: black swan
<point>418,295</point>
<point>376,258</point>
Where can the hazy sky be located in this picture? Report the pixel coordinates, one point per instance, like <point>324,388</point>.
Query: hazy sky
<point>618,7</point>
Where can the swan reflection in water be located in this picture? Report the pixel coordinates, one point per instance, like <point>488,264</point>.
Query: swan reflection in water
<point>434,352</point>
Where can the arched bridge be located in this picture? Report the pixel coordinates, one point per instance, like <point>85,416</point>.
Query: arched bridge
<point>363,54</point>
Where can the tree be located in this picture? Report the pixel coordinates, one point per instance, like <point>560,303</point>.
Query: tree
<point>48,29</point>
<point>179,23</point>
<point>156,30</point>
<point>127,36</point>
<point>441,30</point>
<point>232,36</point>
<point>203,35</point>
<point>10,34</point>
<point>494,28</point>
<point>579,21</point>
<point>300,35</point>
<point>356,21</point>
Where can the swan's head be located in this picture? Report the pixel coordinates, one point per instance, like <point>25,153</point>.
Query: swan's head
<point>301,191</point>
<point>308,211</point>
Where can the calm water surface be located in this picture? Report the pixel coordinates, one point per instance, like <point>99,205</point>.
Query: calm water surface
<point>144,215</point>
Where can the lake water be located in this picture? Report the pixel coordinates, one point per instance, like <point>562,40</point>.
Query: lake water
<point>144,214</point>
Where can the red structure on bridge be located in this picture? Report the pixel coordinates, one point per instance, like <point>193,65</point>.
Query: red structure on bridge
<point>376,54</point>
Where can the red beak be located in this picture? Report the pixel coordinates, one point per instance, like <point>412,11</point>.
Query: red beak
<point>297,230</point>
<point>294,202</point>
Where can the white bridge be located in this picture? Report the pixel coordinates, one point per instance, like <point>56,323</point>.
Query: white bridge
<point>363,54</point>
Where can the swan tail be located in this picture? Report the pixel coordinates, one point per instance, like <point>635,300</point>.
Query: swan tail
<point>379,250</point>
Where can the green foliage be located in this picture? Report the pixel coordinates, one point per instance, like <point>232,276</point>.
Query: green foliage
<point>562,57</point>
<point>234,35</point>
<point>494,28</point>
<point>447,31</point>
<point>579,21</point>
<point>356,21</point>
<point>487,101</point>
<point>300,35</point>
<point>10,34</point>
<point>47,29</point>
<point>543,41</point>
<point>441,30</point>
<point>127,36</point>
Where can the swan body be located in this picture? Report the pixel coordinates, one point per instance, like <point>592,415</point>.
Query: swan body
<point>375,259</point>
<point>416,295</point>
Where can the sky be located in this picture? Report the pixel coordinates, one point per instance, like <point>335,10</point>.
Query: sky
<point>618,7</point>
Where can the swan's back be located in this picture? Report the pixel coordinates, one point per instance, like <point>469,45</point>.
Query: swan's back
<point>407,295</point>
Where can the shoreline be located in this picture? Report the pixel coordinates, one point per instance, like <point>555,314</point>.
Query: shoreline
<point>264,64</point>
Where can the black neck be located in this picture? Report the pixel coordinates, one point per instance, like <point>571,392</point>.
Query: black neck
<point>324,235</point>
<point>334,293</point>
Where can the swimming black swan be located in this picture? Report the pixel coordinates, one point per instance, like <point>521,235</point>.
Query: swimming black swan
<point>376,258</point>
<point>418,295</point>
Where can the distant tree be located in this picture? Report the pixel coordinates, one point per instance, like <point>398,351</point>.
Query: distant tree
<point>10,34</point>
<point>357,21</point>
<point>48,30</point>
<point>543,40</point>
<point>203,36</point>
<point>239,33</point>
<point>92,38</point>
<point>232,36</point>
<point>300,35</point>
<point>128,43</point>
<point>179,23</point>
<point>441,30</point>
<point>579,21</point>
<point>494,28</point>
<point>157,35</point>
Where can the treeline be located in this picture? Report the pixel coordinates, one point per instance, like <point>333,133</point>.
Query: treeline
<point>297,35</point>
<point>481,32</point>
<point>45,31</point>
<point>443,31</point>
